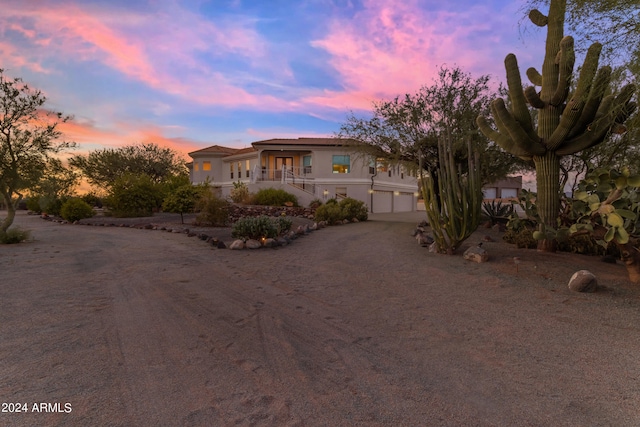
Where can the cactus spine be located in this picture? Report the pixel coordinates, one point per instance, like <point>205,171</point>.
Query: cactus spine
<point>457,215</point>
<point>567,123</point>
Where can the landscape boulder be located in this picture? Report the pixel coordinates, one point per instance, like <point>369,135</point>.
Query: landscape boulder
<point>583,281</point>
<point>476,254</point>
<point>237,244</point>
<point>253,244</point>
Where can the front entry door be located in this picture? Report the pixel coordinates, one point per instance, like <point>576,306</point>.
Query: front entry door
<point>283,161</point>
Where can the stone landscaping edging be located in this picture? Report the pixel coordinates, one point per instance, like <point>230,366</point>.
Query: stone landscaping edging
<point>304,215</point>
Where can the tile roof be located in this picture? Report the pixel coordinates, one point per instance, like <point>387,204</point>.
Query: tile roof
<point>228,151</point>
<point>302,141</point>
<point>216,149</point>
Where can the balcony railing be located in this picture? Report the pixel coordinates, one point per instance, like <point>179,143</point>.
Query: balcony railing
<point>296,176</point>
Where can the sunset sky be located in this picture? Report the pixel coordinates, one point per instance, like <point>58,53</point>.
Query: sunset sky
<point>189,74</point>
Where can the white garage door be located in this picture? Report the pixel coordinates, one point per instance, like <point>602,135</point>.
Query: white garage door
<point>382,201</point>
<point>509,193</point>
<point>489,193</point>
<point>403,202</point>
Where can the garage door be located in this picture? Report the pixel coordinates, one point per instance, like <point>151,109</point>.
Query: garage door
<point>509,193</point>
<point>403,202</point>
<point>382,201</point>
<point>489,193</point>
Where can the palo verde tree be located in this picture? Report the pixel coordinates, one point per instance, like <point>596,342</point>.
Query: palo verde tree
<point>566,122</point>
<point>407,128</point>
<point>29,137</point>
<point>103,167</point>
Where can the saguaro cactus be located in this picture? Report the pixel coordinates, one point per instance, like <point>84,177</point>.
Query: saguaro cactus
<point>566,122</point>
<point>455,215</point>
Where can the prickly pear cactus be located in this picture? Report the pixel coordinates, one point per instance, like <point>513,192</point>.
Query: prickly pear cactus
<point>566,122</point>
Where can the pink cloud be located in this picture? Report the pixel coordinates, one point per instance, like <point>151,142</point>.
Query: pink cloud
<point>158,49</point>
<point>89,137</point>
<point>394,47</point>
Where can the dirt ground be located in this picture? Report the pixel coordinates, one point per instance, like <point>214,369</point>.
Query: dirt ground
<point>354,325</point>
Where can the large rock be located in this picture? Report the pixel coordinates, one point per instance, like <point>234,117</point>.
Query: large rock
<point>583,281</point>
<point>253,244</point>
<point>476,254</point>
<point>237,244</point>
<point>423,238</point>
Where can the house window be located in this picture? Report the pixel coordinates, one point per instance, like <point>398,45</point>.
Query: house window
<point>341,163</point>
<point>239,170</point>
<point>247,167</point>
<point>196,166</point>
<point>341,192</point>
<point>382,165</point>
<point>206,166</point>
<point>231,169</point>
<point>306,164</point>
<point>372,166</point>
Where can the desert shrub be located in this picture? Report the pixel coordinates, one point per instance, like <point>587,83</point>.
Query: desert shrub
<point>329,212</point>
<point>254,228</point>
<point>48,204</point>
<point>92,199</point>
<point>274,197</point>
<point>212,210</point>
<point>75,210</point>
<point>33,204</point>
<point>52,205</point>
<point>283,224</point>
<point>13,235</point>
<point>522,238</point>
<point>133,195</point>
<point>352,208</point>
<point>315,203</point>
<point>240,192</point>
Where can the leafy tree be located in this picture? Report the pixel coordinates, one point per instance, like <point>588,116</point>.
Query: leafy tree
<point>28,139</point>
<point>103,167</point>
<point>407,129</point>
<point>182,200</point>
<point>55,186</point>
<point>566,123</point>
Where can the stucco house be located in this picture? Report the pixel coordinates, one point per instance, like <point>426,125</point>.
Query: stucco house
<point>310,168</point>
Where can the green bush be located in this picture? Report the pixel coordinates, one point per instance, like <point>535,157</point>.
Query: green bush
<point>212,210</point>
<point>33,204</point>
<point>75,210</point>
<point>13,235</point>
<point>133,195</point>
<point>348,208</point>
<point>48,204</point>
<point>352,208</point>
<point>92,199</point>
<point>254,228</point>
<point>283,224</point>
<point>274,197</point>
<point>521,237</point>
<point>329,212</point>
<point>315,203</point>
<point>240,192</point>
